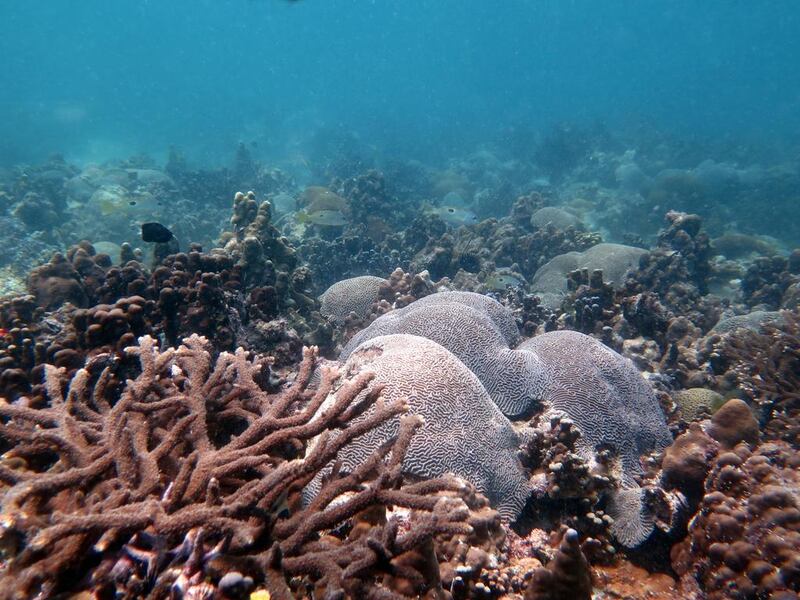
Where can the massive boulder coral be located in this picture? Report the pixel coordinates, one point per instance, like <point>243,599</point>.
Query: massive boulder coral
<point>500,315</point>
<point>615,260</point>
<point>354,295</point>
<point>464,433</point>
<point>694,403</point>
<point>612,407</point>
<point>511,378</point>
<point>602,393</point>
<point>744,542</point>
<point>557,217</point>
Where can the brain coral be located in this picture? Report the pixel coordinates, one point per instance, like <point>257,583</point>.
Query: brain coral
<point>602,393</point>
<point>355,295</point>
<point>558,217</point>
<point>464,433</point>
<point>510,377</point>
<point>696,402</point>
<point>499,314</point>
<point>753,321</point>
<point>615,260</point>
<point>612,406</point>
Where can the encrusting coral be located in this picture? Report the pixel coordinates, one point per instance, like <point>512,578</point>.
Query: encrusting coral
<point>191,470</point>
<point>744,542</point>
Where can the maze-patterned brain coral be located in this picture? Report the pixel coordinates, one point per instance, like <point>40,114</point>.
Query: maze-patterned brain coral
<point>603,394</point>
<point>499,314</point>
<point>354,295</point>
<point>464,433</point>
<point>471,335</point>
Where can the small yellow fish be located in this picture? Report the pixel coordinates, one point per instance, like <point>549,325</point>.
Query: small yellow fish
<point>322,218</point>
<point>454,216</point>
<point>115,200</point>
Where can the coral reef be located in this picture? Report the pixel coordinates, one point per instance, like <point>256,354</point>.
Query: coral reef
<point>180,474</point>
<point>624,415</point>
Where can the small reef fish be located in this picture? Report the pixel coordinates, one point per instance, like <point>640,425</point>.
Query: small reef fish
<point>322,218</point>
<point>156,232</point>
<point>501,281</point>
<point>454,216</point>
<point>118,201</point>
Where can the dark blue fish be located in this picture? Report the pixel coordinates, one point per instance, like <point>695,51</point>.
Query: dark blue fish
<point>156,232</point>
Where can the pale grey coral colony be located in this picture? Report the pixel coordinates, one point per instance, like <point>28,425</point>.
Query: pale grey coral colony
<point>355,295</point>
<point>464,433</point>
<point>499,314</point>
<point>464,370</point>
<point>603,394</point>
<point>550,280</point>
<point>474,338</point>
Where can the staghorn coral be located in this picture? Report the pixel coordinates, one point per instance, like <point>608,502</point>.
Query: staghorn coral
<point>135,488</point>
<point>464,432</point>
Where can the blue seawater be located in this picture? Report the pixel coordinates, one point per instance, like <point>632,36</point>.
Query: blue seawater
<point>423,78</point>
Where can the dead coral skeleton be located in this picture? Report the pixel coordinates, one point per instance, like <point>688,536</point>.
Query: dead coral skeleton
<point>135,487</point>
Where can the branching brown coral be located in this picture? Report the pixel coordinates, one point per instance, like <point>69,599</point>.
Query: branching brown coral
<point>765,366</point>
<point>136,490</point>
